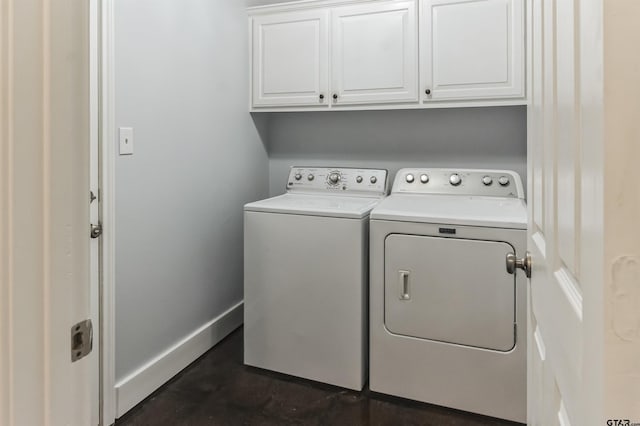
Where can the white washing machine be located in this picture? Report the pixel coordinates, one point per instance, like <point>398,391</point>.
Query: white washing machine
<point>306,275</point>
<point>447,321</point>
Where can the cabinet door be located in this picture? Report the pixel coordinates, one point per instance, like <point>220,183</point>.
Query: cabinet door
<point>290,59</point>
<point>374,53</point>
<point>472,49</point>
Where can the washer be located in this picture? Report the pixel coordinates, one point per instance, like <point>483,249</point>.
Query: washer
<point>448,322</point>
<point>306,275</point>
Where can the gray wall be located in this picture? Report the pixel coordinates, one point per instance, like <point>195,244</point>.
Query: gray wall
<point>181,83</point>
<point>457,137</point>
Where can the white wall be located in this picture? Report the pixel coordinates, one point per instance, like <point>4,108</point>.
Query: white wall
<point>182,84</point>
<point>454,137</point>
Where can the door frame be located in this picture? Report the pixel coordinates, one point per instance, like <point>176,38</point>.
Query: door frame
<point>107,136</point>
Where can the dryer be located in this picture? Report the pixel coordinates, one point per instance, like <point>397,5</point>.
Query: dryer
<point>306,275</point>
<point>447,321</point>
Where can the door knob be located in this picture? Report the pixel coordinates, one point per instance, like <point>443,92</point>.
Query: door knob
<point>514,263</point>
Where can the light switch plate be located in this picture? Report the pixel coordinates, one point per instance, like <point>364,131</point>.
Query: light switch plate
<point>126,140</point>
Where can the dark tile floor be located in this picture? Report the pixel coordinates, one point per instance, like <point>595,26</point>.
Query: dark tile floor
<point>218,389</point>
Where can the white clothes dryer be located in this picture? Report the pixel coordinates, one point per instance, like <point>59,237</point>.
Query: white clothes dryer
<point>306,275</point>
<point>447,321</point>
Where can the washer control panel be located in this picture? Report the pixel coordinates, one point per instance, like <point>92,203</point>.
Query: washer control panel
<point>344,180</point>
<point>490,183</point>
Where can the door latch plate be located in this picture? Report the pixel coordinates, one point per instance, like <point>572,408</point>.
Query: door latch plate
<point>96,230</point>
<point>81,340</point>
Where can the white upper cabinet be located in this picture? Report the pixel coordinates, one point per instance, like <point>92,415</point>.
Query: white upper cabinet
<point>290,59</point>
<point>362,54</point>
<point>374,53</point>
<point>472,49</point>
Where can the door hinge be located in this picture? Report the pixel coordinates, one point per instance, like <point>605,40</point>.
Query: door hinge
<point>81,340</point>
<point>96,230</point>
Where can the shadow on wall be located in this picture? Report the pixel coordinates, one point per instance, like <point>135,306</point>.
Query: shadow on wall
<point>496,131</point>
<point>487,137</point>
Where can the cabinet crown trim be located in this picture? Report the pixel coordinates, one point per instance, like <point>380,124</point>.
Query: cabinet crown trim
<point>306,4</point>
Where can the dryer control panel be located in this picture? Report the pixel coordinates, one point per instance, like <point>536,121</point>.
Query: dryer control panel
<point>474,182</point>
<point>338,180</point>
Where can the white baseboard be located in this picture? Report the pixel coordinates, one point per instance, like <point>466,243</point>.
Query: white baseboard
<point>141,383</point>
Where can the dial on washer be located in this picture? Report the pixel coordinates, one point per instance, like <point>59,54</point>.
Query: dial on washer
<point>334,178</point>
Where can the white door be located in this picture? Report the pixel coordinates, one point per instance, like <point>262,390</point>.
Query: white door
<point>472,49</point>
<point>556,292</point>
<point>567,285</point>
<point>374,53</point>
<point>44,213</point>
<point>290,62</point>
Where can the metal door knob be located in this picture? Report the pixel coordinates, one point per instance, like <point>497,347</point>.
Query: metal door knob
<point>514,263</point>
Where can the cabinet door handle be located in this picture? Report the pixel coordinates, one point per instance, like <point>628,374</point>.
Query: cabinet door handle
<point>403,280</point>
<point>428,91</point>
<point>335,96</point>
<point>321,96</point>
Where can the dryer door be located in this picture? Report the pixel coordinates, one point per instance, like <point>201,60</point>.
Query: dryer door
<point>450,290</point>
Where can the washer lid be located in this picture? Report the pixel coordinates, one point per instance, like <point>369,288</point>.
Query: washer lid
<point>316,205</point>
<point>494,212</point>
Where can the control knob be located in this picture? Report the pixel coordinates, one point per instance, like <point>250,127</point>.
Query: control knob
<point>334,178</point>
<point>359,179</point>
<point>424,178</point>
<point>409,178</point>
<point>298,176</point>
<point>487,180</point>
<point>310,177</point>
<point>373,179</point>
<point>455,179</point>
<point>503,180</point>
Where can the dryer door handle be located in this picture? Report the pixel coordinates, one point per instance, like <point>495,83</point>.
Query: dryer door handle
<point>403,281</point>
